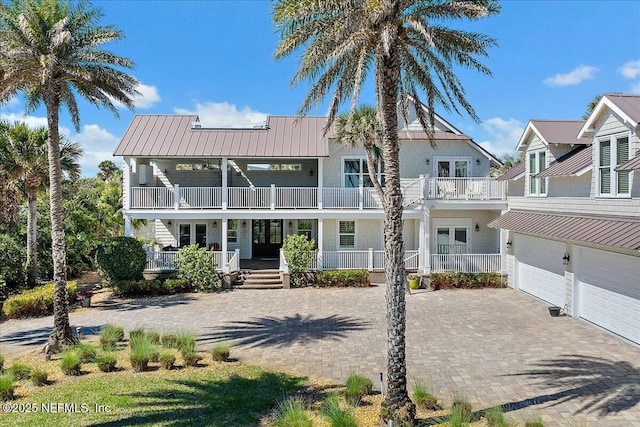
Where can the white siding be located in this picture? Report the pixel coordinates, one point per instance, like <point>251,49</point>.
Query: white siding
<point>581,205</point>
<point>570,186</point>
<point>485,241</point>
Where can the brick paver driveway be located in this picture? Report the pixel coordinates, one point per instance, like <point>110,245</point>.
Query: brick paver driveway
<point>491,346</point>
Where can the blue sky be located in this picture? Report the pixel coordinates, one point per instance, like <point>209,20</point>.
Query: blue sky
<point>215,59</point>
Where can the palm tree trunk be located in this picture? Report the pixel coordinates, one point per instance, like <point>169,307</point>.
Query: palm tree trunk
<point>397,405</point>
<point>32,251</point>
<point>61,333</point>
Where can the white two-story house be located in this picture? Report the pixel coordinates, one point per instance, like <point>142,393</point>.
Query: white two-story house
<point>573,225</point>
<point>240,192</point>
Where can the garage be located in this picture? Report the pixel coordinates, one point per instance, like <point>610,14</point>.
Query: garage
<point>540,269</point>
<point>609,294</point>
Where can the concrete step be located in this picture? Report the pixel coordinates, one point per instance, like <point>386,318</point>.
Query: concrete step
<point>262,281</point>
<point>255,286</point>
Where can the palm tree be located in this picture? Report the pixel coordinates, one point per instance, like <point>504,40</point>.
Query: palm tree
<point>409,49</point>
<point>51,51</point>
<point>24,157</point>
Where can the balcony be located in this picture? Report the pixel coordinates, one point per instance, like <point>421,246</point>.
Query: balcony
<point>414,191</point>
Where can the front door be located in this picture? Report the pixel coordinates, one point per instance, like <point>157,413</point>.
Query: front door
<point>267,237</point>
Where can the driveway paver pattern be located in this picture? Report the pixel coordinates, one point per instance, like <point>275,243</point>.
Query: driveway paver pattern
<point>492,347</point>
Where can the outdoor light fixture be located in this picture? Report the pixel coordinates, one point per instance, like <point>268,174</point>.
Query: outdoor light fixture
<point>477,227</point>
<point>244,224</point>
<point>290,224</point>
<point>165,172</point>
<point>566,258</point>
<point>428,161</point>
<point>169,223</point>
<point>477,161</point>
<point>509,244</point>
<point>215,224</point>
<point>310,172</point>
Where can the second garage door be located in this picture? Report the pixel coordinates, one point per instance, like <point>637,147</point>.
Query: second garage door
<point>540,268</point>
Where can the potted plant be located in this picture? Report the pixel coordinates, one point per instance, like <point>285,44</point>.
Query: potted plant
<point>414,281</point>
<point>84,298</point>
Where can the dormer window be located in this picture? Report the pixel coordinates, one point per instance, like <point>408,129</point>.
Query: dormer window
<point>611,152</point>
<point>537,163</point>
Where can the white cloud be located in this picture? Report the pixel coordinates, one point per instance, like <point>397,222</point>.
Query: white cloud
<point>147,98</point>
<point>98,145</point>
<point>503,135</point>
<point>31,121</point>
<point>574,77</point>
<point>630,70</point>
<point>11,103</point>
<point>224,114</point>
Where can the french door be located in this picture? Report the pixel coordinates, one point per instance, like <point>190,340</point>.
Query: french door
<point>267,237</point>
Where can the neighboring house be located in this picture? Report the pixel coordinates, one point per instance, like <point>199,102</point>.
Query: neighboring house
<point>240,192</point>
<point>574,215</point>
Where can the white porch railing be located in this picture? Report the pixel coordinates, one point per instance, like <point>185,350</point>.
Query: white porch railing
<point>466,263</point>
<point>249,197</point>
<point>200,197</point>
<point>233,262</point>
<point>151,197</point>
<point>466,189</point>
<point>165,260</point>
<point>344,260</point>
<point>297,197</point>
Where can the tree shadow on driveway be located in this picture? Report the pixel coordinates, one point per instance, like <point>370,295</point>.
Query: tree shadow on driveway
<point>283,331</point>
<point>606,387</point>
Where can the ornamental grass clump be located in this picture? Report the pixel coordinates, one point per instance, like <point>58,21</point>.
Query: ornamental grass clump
<point>1,363</point>
<point>336,415</point>
<point>87,352</point>
<point>20,371</point>
<point>106,362</point>
<point>190,357</point>
<point>110,336</point>
<point>154,337</point>
<point>169,340</point>
<point>7,386</point>
<point>423,398</point>
<point>290,413</point>
<point>185,341</point>
<point>356,387</point>
<point>461,413</point>
<point>167,360</point>
<point>142,352</point>
<point>220,353</point>
<point>39,377</point>
<point>495,418</point>
<point>137,335</point>
<point>70,363</point>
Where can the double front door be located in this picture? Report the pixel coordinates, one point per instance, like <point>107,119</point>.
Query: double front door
<point>266,238</point>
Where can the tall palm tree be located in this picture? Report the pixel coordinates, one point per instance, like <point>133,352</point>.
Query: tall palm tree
<point>52,51</point>
<point>410,50</point>
<point>24,157</point>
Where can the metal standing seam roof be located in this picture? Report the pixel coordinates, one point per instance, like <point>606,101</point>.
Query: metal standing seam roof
<point>630,104</point>
<point>174,136</point>
<point>560,131</point>
<point>570,163</point>
<point>512,173</point>
<point>631,164</point>
<point>615,232</point>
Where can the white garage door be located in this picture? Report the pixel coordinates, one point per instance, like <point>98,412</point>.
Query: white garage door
<point>610,291</point>
<point>540,268</point>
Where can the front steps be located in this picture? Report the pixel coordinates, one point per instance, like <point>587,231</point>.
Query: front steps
<point>258,279</point>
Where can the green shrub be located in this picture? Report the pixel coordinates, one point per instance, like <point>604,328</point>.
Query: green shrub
<point>137,287</point>
<point>185,341</point>
<point>356,387</point>
<point>139,360</point>
<point>167,360</point>
<point>87,352</point>
<point>106,362</point>
<point>154,337</point>
<point>169,340</point>
<point>461,412</point>
<point>190,357</point>
<point>37,301</point>
<point>337,416</point>
<point>20,371</point>
<point>423,398</point>
<point>70,363</point>
<point>464,280</point>
<point>495,418</point>
<point>176,286</point>
<point>39,377</point>
<point>290,413</point>
<point>7,386</point>
<point>220,353</point>
<point>121,258</point>
<point>136,336</point>
<point>110,336</point>
<point>12,258</point>
<point>343,278</point>
<point>196,265</point>
<point>300,254</point>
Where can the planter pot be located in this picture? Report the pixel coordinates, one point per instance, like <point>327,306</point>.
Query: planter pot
<point>554,311</point>
<point>86,302</point>
<point>414,284</point>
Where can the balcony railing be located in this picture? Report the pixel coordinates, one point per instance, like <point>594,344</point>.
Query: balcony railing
<point>466,263</point>
<point>311,197</point>
<point>165,261</point>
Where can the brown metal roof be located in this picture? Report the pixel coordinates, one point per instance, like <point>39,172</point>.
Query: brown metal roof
<point>173,135</point>
<point>630,104</point>
<point>615,232</point>
<point>512,173</point>
<point>569,164</point>
<point>560,131</point>
<point>631,164</point>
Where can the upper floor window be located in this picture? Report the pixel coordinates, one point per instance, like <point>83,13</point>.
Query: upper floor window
<point>355,171</point>
<point>451,168</point>
<point>274,167</point>
<point>347,234</point>
<point>612,152</point>
<point>537,163</point>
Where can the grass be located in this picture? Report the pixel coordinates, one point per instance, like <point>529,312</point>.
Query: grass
<point>336,415</point>
<point>291,413</point>
<point>39,377</point>
<point>70,363</point>
<point>7,386</point>
<point>87,352</point>
<point>356,387</point>
<point>110,336</point>
<point>20,371</point>
<point>106,362</point>
<point>220,352</point>
<point>536,422</point>
<point>424,398</point>
<point>167,360</point>
<point>495,418</point>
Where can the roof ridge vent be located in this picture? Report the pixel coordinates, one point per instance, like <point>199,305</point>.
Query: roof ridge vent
<point>230,126</point>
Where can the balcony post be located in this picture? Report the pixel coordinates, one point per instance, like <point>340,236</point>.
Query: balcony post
<point>423,187</point>
<point>425,226</point>
<point>127,225</point>
<point>176,196</point>
<point>360,196</point>
<point>320,243</point>
<point>272,196</point>
<point>126,185</point>
<point>225,194</point>
<point>225,227</point>
<point>370,260</point>
<point>320,183</point>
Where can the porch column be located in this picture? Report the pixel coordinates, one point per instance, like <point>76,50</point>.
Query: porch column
<point>126,185</point>
<point>176,196</point>
<point>320,242</point>
<point>224,182</point>
<point>225,226</point>
<point>504,236</point>
<point>127,225</point>
<point>425,226</point>
<point>320,179</point>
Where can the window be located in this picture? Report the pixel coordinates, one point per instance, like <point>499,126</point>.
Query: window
<point>452,168</point>
<point>452,240</point>
<point>274,167</point>
<point>537,163</point>
<point>232,231</point>
<point>612,152</point>
<point>347,234</point>
<point>198,166</point>
<point>201,235</point>
<point>356,171</point>
<point>304,228</point>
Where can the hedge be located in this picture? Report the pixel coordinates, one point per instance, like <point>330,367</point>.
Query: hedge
<point>151,287</point>
<point>35,302</point>
<point>465,281</point>
<point>343,278</point>
<point>121,258</point>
